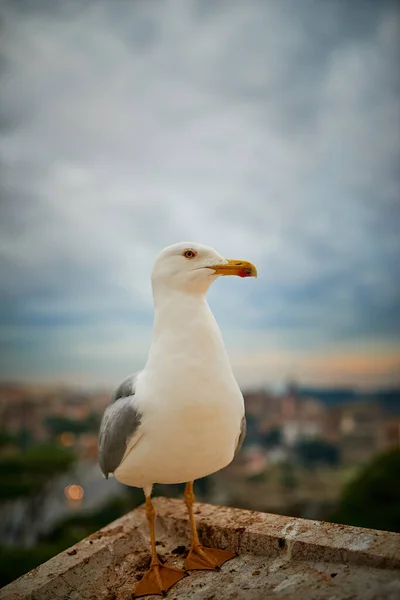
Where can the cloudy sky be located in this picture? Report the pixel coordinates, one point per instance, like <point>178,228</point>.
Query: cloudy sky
<point>267,129</point>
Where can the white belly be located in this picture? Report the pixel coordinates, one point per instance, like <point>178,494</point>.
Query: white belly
<point>184,442</point>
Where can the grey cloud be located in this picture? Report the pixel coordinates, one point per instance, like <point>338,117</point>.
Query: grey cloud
<point>266,129</point>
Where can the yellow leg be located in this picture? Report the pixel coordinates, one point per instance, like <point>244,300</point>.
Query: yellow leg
<point>159,578</point>
<point>199,556</point>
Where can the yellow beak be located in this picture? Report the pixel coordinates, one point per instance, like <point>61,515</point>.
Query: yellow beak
<point>242,268</point>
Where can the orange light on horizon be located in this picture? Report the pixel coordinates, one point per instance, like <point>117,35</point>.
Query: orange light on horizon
<point>74,492</point>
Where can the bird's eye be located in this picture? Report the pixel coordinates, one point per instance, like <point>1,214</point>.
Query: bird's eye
<point>189,254</point>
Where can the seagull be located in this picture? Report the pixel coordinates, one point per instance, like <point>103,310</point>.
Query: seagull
<point>182,417</point>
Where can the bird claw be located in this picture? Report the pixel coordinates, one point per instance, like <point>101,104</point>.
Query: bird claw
<point>201,557</point>
<point>158,580</point>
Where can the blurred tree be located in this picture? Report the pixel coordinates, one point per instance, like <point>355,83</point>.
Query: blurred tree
<point>27,473</point>
<point>271,438</point>
<point>57,425</point>
<point>25,438</point>
<point>7,439</point>
<point>20,440</point>
<point>372,498</point>
<point>317,451</point>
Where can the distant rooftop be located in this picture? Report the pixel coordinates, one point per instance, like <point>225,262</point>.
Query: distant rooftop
<point>279,557</point>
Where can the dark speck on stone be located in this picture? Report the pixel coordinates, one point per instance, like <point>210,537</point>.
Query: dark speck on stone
<point>256,573</point>
<point>240,529</point>
<point>333,574</point>
<point>281,542</point>
<point>72,552</point>
<point>179,550</point>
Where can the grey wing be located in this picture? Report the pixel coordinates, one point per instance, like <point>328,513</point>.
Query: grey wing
<point>242,434</point>
<point>125,389</point>
<point>120,423</point>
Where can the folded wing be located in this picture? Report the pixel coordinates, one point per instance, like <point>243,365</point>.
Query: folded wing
<point>120,426</point>
<point>242,434</point>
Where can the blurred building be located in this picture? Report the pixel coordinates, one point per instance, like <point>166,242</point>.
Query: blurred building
<point>391,436</point>
<point>361,433</point>
<point>302,418</point>
<point>25,412</point>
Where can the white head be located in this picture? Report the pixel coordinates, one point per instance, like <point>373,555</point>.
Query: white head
<point>192,268</point>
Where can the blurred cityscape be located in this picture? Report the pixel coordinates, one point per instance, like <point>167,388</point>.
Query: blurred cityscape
<point>304,448</point>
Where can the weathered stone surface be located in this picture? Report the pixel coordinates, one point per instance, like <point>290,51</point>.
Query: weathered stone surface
<point>279,557</point>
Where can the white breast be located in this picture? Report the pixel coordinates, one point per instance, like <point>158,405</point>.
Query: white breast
<point>190,403</point>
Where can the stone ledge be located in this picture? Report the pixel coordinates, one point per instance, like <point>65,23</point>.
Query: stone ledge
<point>278,556</point>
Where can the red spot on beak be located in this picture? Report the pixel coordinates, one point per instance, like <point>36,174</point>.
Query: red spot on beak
<point>244,273</point>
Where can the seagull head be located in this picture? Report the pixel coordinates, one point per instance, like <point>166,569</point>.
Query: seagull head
<point>191,267</point>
